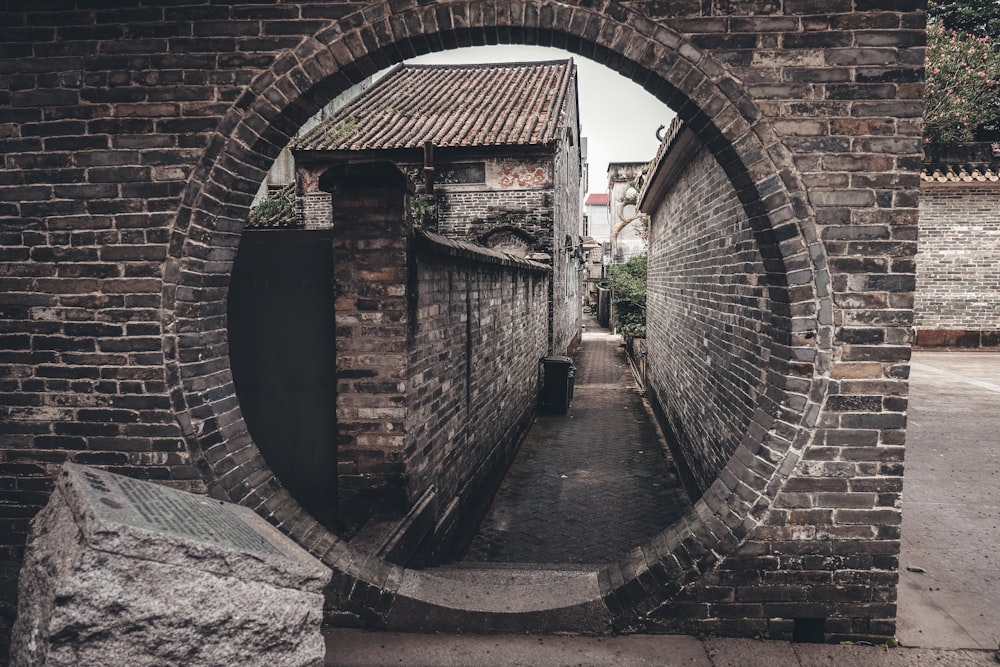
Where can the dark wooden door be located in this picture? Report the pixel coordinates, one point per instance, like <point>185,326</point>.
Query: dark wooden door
<point>282,353</point>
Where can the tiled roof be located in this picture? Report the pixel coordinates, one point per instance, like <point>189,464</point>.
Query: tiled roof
<point>598,199</point>
<point>514,104</point>
<point>961,175</point>
<point>961,162</point>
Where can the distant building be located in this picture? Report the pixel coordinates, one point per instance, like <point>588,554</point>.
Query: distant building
<point>597,228</point>
<point>494,151</point>
<point>598,214</point>
<point>627,230</point>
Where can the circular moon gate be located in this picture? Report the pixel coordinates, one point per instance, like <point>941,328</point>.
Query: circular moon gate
<point>622,595</point>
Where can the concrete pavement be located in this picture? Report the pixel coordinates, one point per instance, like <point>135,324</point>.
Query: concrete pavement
<point>951,503</point>
<point>949,614</point>
<point>366,648</point>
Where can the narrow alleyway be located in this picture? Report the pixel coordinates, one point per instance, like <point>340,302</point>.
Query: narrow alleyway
<point>589,485</point>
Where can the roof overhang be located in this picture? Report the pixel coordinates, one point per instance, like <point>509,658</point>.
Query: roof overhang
<point>676,152</point>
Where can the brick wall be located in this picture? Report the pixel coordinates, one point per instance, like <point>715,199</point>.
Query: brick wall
<point>707,313</point>
<point>372,250</point>
<point>958,265</point>
<point>472,375</point>
<point>540,199</point>
<point>315,213</point>
<point>438,343</point>
<point>567,230</point>
<point>134,139</point>
<point>472,214</point>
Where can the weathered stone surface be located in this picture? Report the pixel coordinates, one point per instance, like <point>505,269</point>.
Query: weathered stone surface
<point>125,572</point>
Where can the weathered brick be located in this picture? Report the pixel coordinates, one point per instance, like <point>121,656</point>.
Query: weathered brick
<point>957,224</point>
<point>161,78</point>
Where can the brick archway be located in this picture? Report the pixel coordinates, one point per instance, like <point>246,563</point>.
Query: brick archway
<point>678,72</point>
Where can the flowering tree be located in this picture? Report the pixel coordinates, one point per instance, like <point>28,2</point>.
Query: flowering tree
<point>976,17</point>
<point>962,84</point>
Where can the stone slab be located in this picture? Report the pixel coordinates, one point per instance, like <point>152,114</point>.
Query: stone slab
<point>363,648</point>
<point>750,653</point>
<point>120,571</point>
<point>499,599</point>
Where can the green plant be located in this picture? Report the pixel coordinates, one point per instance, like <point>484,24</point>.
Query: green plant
<point>628,295</point>
<point>340,132</point>
<point>422,208</point>
<point>962,84</point>
<point>276,210</point>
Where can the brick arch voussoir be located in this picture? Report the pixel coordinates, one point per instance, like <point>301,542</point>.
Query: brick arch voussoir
<point>275,105</point>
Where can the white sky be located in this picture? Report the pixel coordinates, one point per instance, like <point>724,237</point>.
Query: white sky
<point>618,118</point>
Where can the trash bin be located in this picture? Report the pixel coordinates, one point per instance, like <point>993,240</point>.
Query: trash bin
<point>557,383</point>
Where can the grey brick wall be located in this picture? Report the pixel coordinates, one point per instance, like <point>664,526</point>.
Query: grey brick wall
<point>480,331</point>
<point>567,229</point>
<point>134,139</point>
<point>958,263</point>
<point>437,345</point>
<point>472,215</point>
<point>707,317</point>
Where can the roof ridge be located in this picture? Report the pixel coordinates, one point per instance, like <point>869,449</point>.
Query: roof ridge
<point>521,63</point>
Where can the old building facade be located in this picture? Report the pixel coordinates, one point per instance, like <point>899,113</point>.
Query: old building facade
<point>494,152</point>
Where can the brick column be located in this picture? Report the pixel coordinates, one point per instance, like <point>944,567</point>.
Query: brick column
<point>315,205</point>
<point>371,256</point>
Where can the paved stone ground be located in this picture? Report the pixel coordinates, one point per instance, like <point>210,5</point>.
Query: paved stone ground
<point>948,615</point>
<point>951,503</point>
<point>587,486</point>
<point>348,647</point>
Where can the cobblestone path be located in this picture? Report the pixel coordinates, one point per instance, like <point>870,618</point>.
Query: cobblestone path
<point>587,486</point>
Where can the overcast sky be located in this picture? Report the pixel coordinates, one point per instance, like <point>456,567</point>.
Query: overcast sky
<point>618,118</point>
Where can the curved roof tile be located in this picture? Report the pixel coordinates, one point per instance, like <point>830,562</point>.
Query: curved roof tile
<point>510,104</point>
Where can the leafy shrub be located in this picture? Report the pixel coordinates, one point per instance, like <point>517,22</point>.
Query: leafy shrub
<point>628,294</point>
<point>276,210</point>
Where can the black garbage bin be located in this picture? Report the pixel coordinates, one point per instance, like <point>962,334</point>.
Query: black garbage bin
<point>557,383</point>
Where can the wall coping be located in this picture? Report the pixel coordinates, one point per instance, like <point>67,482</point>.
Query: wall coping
<point>676,151</point>
<point>441,245</point>
<point>961,162</point>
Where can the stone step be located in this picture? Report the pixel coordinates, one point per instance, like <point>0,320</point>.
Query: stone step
<point>463,566</point>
